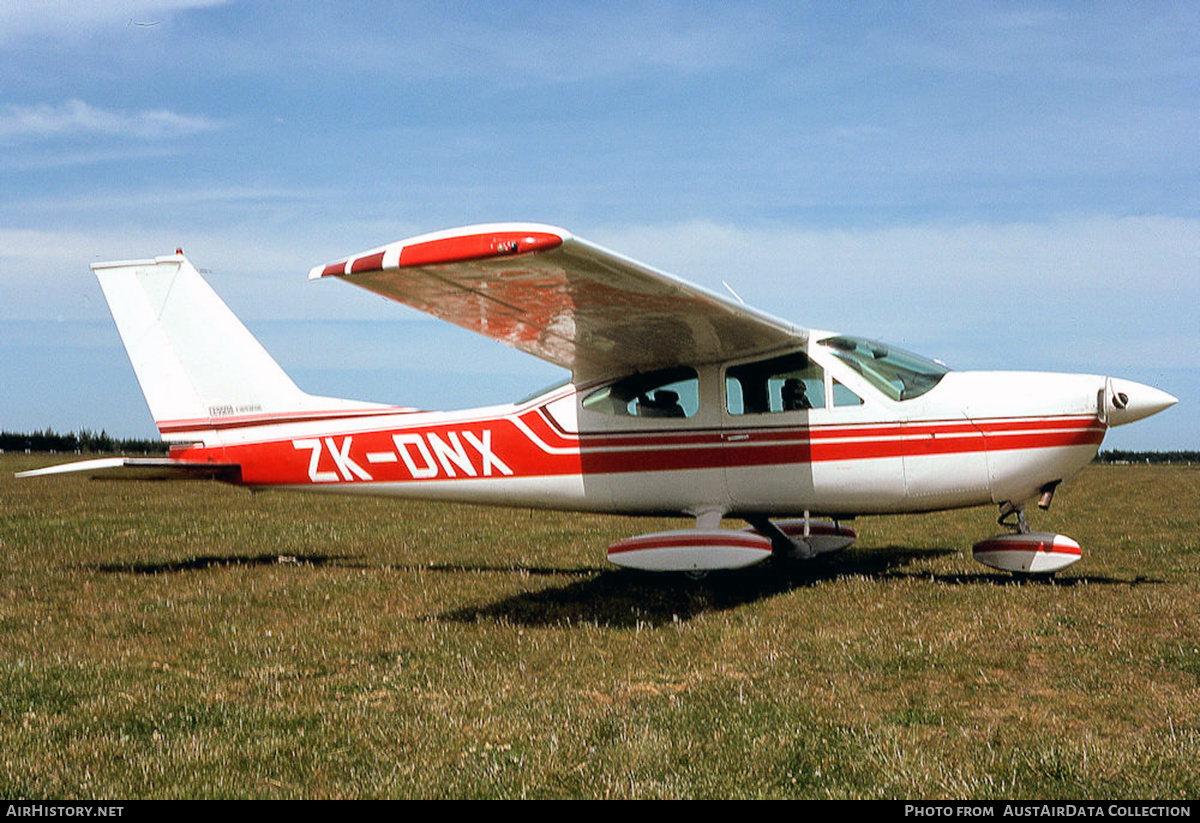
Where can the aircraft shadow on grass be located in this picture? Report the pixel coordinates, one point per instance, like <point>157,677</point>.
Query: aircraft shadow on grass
<point>212,561</point>
<point>628,599</point>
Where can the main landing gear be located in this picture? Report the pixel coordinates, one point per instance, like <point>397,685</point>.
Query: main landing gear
<point>709,548</point>
<point>803,538</point>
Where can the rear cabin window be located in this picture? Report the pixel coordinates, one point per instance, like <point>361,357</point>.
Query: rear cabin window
<point>667,393</point>
<point>791,382</point>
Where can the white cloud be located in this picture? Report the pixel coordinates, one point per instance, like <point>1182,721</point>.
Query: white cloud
<point>1089,252</point>
<point>1076,294</point>
<point>70,19</point>
<point>75,117</point>
<point>1032,295</point>
<point>262,274</point>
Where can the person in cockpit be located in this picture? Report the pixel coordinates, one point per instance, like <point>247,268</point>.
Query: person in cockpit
<point>794,395</point>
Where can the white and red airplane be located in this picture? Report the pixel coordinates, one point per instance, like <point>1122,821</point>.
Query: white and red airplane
<point>680,402</point>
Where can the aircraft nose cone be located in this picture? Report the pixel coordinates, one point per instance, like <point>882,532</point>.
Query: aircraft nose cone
<point>1126,401</point>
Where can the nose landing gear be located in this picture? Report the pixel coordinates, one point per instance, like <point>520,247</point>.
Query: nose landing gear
<point>1024,551</point>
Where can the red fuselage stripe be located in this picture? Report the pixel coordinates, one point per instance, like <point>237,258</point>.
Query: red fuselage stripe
<point>500,447</point>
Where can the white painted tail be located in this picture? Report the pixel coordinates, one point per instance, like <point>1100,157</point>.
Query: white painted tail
<point>198,366</point>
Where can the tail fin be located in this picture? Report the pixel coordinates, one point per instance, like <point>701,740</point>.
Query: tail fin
<point>199,367</point>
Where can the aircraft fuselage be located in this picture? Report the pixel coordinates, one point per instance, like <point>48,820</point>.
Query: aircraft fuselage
<point>973,438</point>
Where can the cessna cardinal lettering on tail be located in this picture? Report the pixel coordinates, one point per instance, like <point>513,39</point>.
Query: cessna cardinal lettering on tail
<point>681,402</point>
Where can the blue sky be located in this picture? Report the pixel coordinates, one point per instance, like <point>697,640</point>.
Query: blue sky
<point>999,185</point>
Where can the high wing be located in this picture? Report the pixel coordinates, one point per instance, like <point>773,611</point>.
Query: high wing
<point>546,292</point>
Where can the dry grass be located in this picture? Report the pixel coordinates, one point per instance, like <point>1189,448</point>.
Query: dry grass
<point>194,640</point>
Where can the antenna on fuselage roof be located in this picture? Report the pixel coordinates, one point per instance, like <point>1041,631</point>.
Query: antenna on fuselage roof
<point>729,288</point>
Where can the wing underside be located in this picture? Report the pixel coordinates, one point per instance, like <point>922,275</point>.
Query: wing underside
<point>550,294</point>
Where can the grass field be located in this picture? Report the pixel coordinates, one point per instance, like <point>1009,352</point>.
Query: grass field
<point>195,640</point>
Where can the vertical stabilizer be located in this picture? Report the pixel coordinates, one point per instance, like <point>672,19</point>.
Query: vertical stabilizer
<point>198,365</point>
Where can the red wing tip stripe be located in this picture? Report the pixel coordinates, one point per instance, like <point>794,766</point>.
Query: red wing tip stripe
<point>477,247</point>
<point>447,250</point>
<point>371,262</point>
<point>482,242</point>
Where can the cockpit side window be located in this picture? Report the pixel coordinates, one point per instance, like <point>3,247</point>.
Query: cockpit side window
<point>666,393</point>
<point>791,382</point>
<point>899,374</point>
<point>842,396</point>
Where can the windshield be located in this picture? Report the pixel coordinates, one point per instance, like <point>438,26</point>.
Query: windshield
<point>899,374</point>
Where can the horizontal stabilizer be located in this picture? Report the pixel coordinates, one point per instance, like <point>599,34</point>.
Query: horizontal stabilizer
<point>143,468</point>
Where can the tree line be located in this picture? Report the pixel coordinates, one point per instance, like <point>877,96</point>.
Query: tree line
<point>84,440</point>
<point>1122,456</point>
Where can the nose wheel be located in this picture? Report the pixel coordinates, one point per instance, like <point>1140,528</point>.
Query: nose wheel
<point>1024,551</point>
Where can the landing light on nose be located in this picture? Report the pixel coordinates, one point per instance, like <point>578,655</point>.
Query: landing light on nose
<point>1126,401</point>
